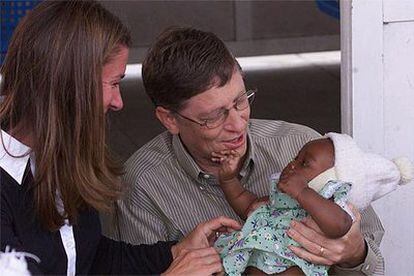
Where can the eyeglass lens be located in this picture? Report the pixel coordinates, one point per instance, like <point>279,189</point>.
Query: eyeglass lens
<point>241,103</point>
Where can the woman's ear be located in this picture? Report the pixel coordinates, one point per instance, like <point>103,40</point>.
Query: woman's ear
<point>167,119</point>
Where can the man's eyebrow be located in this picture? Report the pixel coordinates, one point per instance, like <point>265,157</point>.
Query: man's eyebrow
<point>239,95</point>
<point>217,110</point>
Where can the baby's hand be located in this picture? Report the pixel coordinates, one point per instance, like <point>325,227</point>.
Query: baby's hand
<point>229,162</point>
<point>292,182</point>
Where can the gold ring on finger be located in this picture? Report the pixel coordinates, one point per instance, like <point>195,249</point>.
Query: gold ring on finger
<point>321,250</point>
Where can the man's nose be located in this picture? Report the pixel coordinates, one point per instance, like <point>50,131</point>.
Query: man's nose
<point>235,120</point>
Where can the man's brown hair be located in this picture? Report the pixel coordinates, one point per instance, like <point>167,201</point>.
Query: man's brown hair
<point>184,62</point>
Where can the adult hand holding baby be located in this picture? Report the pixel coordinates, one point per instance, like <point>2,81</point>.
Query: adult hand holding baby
<point>194,254</point>
<point>348,251</point>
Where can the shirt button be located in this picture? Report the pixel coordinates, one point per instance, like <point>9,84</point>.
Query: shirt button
<point>201,188</point>
<point>206,176</point>
<point>367,267</point>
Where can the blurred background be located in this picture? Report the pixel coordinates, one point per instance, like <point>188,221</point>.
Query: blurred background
<point>289,51</point>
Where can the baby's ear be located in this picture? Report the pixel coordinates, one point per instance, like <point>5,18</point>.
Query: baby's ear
<point>167,119</point>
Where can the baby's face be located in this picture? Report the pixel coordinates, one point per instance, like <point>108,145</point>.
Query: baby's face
<point>314,158</point>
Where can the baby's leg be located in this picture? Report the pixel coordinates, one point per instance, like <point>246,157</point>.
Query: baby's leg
<point>291,271</point>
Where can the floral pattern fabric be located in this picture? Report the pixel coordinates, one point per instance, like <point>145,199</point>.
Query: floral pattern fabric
<point>263,241</point>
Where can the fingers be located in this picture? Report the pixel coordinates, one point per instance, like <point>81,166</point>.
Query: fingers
<point>217,158</point>
<point>305,234</point>
<point>224,229</point>
<point>317,248</point>
<point>310,257</point>
<point>199,253</point>
<point>211,226</point>
<point>214,236</point>
<point>356,213</point>
<point>223,155</point>
<point>204,261</point>
<point>312,244</point>
<point>309,222</point>
<point>288,170</point>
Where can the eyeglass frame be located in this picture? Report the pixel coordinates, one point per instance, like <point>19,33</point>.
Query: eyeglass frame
<point>226,111</point>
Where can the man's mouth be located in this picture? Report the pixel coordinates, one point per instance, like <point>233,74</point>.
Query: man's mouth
<point>235,142</point>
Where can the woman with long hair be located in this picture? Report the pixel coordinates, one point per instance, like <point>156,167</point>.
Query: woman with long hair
<point>60,76</point>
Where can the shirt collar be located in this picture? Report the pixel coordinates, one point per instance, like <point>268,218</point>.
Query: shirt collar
<point>14,156</point>
<point>250,157</point>
<point>184,158</point>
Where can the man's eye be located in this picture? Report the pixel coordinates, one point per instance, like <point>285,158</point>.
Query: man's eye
<point>214,117</point>
<point>241,99</point>
<point>115,85</point>
<point>212,120</point>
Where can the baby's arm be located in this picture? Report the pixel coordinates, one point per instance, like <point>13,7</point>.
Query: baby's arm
<point>240,199</point>
<point>331,218</point>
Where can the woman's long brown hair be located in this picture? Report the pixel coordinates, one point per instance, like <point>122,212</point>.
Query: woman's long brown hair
<point>52,88</point>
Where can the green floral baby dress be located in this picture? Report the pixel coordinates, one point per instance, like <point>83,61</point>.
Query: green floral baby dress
<point>263,241</point>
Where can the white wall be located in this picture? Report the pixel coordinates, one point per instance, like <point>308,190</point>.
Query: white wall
<point>378,92</point>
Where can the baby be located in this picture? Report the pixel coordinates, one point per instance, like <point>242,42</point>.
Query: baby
<point>324,176</point>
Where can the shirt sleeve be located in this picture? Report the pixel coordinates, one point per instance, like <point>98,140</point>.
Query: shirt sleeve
<point>8,237</point>
<point>373,232</point>
<point>113,257</point>
<point>139,220</point>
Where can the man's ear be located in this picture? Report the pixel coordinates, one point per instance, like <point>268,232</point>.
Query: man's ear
<point>167,119</point>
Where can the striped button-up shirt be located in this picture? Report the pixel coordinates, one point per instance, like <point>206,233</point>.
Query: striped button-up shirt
<point>169,194</point>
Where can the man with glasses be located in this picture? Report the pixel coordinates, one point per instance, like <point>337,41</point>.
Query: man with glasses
<point>219,116</point>
<point>200,97</point>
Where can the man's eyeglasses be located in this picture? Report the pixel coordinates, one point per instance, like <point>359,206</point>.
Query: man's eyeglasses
<point>219,117</point>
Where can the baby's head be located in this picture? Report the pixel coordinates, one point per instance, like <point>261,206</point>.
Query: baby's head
<point>337,157</point>
<point>314,158</point>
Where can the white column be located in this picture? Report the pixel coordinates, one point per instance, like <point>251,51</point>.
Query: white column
<point>378,106</point>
